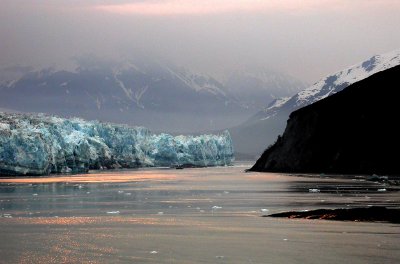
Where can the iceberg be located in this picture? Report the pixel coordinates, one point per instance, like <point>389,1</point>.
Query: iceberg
<point>38,144</point>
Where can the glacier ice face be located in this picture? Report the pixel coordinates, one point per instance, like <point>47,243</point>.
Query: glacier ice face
<point>40,144</point>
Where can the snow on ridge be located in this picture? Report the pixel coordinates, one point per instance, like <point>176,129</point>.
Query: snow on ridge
<point>277,103</point>
<point>11,83</point>
<point>273,108</point>
<point>189,78</point>
<point>338,81</point>
<point>333,83</point>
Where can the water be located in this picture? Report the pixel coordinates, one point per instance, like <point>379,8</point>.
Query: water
<point>209,215</point>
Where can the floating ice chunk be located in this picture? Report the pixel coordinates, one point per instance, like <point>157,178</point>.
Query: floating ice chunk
<point>113,212</point>
<point>35,194</point>
<point>160,213</point>
<point>215,207</point>
<point>314,190</point>
<point>264,210</point>
<point>382,190</point>
<point>153,252</point>
<point>120,192</point>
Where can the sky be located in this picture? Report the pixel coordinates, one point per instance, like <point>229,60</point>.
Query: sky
<point>304,38</point>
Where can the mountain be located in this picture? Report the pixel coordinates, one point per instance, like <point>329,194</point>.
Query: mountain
<point>262,129</point>
<point>352,132</point>
<point>257,88</point>
<point>154,94</point>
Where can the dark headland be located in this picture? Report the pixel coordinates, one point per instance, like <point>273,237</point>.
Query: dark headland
<point>355,131</point>
<point>370,214</point>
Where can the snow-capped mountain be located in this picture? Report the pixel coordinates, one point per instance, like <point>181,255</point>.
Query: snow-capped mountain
<point>352,132</point>
<point>151,93</point>
<point>257,88</point>
<point>156,95</point>
<point>266,125</point>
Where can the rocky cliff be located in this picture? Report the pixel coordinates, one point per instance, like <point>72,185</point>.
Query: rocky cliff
<point>353,131</point>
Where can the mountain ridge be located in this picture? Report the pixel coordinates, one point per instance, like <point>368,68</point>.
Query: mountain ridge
<point>351,132</point>
<point>264,127</point>
<point>157,95</point>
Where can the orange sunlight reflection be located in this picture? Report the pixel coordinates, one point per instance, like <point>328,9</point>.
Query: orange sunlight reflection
<point>95,178</point>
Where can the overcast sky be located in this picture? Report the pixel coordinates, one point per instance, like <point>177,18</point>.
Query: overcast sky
<point>304,38</point>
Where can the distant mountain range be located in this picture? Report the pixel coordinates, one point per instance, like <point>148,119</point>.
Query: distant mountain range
<point>262,129</point>
<point>157,95</point>
<point>354,131</point>
<point>257,88</point>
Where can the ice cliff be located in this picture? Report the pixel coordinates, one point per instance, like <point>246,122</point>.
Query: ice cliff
<point>39,144</point>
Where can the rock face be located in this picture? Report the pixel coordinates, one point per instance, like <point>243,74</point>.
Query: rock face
<point>266,125</point>
<point>39,145</point>
<point>352,132</point>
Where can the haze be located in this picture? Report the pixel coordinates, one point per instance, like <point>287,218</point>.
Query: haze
<point>307,39</point>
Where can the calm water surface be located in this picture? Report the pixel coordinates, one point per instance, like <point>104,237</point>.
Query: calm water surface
<point>209,215</point>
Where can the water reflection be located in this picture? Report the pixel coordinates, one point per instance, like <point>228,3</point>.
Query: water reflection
<point>187,216</point>
<point>195,191</point>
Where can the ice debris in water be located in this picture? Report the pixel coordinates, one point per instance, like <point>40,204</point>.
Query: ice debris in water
<point>153,252</point>
<point>113,212</point>
<point>314,190</point>
<point>37,144</point>
<point>382,190</point>
<point>6,216</point>
<point>215,207</point>
<point>264,210</point>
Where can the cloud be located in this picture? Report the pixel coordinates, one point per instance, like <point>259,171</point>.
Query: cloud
<point>204,7</point>
<point>213,7</point>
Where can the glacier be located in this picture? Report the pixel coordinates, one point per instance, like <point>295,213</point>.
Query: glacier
<point>38,144</point>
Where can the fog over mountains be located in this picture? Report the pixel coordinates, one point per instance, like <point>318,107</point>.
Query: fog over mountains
<point>154,94</point>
